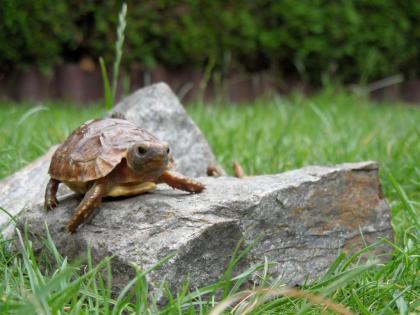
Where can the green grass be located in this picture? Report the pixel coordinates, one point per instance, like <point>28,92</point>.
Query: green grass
<point>267,137</point>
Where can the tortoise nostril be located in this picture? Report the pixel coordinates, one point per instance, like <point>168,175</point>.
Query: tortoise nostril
<point>141,150</point>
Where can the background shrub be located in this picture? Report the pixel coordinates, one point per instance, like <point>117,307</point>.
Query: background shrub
<point>33,33</point>
<point>349,41</point>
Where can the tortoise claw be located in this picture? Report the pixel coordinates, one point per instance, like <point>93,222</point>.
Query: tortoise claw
<point>50,204</point>
<point>51,194</point>
<point>71,228</point>
<point>194,187</point>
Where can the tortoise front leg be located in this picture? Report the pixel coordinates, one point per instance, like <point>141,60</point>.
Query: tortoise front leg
<point>92,199</point>
<point>179,181</point>
<point>50,201</point>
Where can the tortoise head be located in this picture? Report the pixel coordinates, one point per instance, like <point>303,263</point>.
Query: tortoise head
<point>149,158</point>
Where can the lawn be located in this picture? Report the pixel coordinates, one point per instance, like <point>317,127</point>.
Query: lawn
<point>265,137</point>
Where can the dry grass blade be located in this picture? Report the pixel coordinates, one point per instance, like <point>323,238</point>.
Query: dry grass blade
<point>266,294</point>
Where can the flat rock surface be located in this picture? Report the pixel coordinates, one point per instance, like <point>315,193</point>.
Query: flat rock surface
<point>157,109</point>
<point>302,218</point>
<point>154,108</point>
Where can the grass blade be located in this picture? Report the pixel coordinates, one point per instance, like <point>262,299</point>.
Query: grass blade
<point>118,49</point>
<point>107,89</point>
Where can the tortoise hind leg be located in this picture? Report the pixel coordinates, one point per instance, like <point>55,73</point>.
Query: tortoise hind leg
<point>179,181</point>
<point>51,194</point>
<point>92,199</point>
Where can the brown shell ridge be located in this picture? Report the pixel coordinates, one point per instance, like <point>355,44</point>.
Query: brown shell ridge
<point>87,150</point>
<point>103,166</point>
<point>83,172</point>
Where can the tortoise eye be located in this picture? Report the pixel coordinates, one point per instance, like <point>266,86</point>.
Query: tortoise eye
<point>141,150</point>
<point>168,150</point>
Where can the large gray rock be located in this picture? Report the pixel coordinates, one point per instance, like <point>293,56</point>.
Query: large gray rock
<point>303,218</point>
<point>24,189</point>
<point>157,109</point>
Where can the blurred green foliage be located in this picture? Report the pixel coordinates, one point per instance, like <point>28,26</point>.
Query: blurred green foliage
<point>32,32</point>
<point>312,40</point>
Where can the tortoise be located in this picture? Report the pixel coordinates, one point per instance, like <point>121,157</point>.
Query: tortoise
<point>111,157</point>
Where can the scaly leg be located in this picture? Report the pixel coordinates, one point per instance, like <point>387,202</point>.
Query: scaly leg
<point>92,199</point>
<point>51,194</point>
<point>179,181</point>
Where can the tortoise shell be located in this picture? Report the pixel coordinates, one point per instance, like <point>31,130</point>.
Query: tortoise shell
<point>94,149</point>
